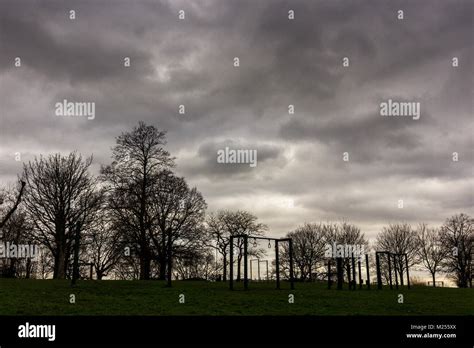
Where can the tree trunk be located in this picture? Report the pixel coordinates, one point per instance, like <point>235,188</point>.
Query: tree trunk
<point>28,268</point>
<point>434,279</point>
<point>170,261</point>
<point>145,264</point>
<point>239,260</point>
<point>401,268</point>
<point>162,263</point>
<point>60,263</point>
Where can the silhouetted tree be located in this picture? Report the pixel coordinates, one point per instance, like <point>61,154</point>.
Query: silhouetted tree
<point>399,239</point>
<point>219,237</point>
<point>308,249</point>
<point>104,246</point>
<point>178,214</point>
<point>132,179</point>
<point>60,194</point>
<point>430,249</point>
<point>457,236</point>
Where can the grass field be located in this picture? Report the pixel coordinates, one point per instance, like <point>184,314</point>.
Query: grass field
<point>51,297</point>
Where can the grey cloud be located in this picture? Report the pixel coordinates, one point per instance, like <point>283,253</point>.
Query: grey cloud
<point>282,62</point>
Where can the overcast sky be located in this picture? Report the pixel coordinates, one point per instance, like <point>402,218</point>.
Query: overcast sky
<point>301,175</point>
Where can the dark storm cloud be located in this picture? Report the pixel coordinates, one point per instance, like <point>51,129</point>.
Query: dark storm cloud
<point>300,172</point>
<point>208,153</point>
<point>75,50</point>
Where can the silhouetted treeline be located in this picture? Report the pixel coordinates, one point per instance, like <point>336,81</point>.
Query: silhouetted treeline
<point>138,220</point>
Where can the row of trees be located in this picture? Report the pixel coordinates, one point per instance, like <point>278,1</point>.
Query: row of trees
<point>139,220</point>
<point>447,249</point>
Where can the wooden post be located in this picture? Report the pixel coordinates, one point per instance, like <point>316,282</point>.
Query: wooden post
<point>231,264</point>
<point>170,261</point>
<point>400,259</point>
<point>390,270</point>
<point>353,273</point>
<point>277,264</point>
<point>408,274</point>
<point>292,281</point>
<point>246,279</point>
<point>395,270</point>
<point>379,276</point>
<point>367,270</point>
<point>360,274</point>
<point>340,273</point>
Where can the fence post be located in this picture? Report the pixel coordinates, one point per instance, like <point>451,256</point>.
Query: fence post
<point>231,264</point>
<point>408,274</point>
<point>367,269</point>
<point>379,276</point>
<point>292,284</point>
<point>277,264</point>
<point>246,279</point>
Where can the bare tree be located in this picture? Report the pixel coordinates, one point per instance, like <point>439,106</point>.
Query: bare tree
<point>60,196</point>
<point>178,214</point>
<point>457,236</point>
<point>138,157</point>
<point>399,239</point>
<point>309,242</point>
<point>219,237</point>
<point>103,247</point>
<point>430,249</point>
<point>345,233</point>
<point>196,264</point>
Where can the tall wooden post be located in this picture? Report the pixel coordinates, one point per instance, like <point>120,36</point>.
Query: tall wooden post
<point>390,270</point>
<point>292,281</point>
<point>379,275</point>
<point>246,279</point>
<point>277,264</point>
<point>400,260</point>
<point>231,264</point>
<point>353,273</point>
<point>367,270</point>
<point>395,270</point>
<point>360,274</point>
<point>408,274</point>
<point>170,262</point>
<point>340,273</point>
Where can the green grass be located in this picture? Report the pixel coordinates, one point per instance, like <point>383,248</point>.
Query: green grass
<point>51,297</point>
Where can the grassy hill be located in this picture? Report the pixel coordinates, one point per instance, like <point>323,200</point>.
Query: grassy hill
<point>51,297</point>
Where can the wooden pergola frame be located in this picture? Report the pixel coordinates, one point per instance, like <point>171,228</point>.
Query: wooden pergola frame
<point>277,259</point>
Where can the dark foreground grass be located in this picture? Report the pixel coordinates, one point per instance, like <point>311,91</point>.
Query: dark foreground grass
<point>51,297</point>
